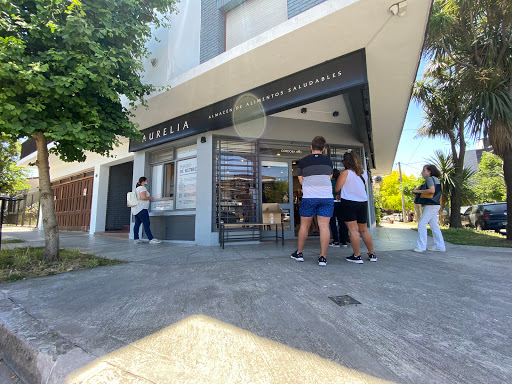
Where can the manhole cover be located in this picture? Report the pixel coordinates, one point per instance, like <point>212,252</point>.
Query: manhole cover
<point>344,300</point>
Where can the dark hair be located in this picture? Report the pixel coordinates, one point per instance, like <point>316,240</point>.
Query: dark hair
<point>433,170</point>
<point>141,180</point>
<point>335,174</point>
<point>318,143</point>
<point>351,161</point>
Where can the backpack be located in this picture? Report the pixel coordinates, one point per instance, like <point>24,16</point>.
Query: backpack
<point>131,199</point>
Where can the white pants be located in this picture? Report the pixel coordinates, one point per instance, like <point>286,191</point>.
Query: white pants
<point>430,216</point>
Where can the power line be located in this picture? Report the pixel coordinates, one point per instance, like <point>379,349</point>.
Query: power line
<point>416,149</point>
<point>415,162</point>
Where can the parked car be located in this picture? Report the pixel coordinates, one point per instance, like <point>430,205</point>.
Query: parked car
<point>492,216</point>
<point>392,218</point>
<point>464,216</point>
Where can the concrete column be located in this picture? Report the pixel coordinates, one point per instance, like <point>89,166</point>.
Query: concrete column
<point>140,168</point>
<point>204,190</point>
<point>99,199</point>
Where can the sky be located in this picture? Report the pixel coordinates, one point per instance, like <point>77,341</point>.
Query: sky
<point>413,151</point>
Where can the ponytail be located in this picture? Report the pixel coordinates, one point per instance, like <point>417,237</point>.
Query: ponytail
<point>141,180</point>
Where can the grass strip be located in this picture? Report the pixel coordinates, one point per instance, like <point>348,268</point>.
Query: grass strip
<point>12,241</point>
<point>27,262</point>
<point>470,236</point>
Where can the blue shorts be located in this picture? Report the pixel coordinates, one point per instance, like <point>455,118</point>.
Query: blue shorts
<point>316,207</point>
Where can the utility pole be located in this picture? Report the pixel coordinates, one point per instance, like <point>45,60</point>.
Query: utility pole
<point>404,218</point>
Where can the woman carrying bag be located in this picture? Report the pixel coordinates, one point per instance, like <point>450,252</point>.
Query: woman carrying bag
<point>141,213</point>
<point>429,196</point>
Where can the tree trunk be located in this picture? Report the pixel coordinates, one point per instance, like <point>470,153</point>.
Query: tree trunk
<point>50,227</point>
<point>507,171</point>
<point>456,197</point>
<point>418,211</point>
<point>458,160</point>
<point>456,204</point>
<point>442,216</point>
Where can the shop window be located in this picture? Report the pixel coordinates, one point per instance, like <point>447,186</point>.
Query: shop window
<point>169,180</point>
<point>336,155</point>
<point>236,182</point>
<point>173,181</point>
<point>275,182</point>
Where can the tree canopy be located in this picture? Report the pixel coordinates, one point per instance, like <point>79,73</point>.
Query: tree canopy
<point>488,183</point>
<point>390,191</point>
<point>64,66</point>
<point>476,37</point>
<point>12,177</point>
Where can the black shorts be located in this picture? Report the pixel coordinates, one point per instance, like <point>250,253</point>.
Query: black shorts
<point>355,210</point>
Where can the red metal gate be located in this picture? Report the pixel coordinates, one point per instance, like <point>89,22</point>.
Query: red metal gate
<point>73,197</point>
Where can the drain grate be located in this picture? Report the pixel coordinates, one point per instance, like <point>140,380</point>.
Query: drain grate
<point>344,300</point>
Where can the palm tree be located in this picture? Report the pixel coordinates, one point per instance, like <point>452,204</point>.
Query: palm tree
<point>451,184</point>
<point>476,36</point>
<point>445,115</point>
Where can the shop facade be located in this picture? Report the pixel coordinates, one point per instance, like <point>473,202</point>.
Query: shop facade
<point>226,138</point>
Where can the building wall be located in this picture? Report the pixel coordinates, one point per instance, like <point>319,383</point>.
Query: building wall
<point>212,30</point>
<point>176,49</point>
<point>278,128</point>
<point>298,6</point>
<point>473,158</point>
<point>228,23</point>
<point>60,169</point>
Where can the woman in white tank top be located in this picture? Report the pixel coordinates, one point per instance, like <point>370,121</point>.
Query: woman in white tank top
<point>354,202</point>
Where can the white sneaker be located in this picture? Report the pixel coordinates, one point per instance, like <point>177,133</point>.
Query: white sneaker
<point>137,241</point>
<point>436,249</point>
<point>418,250</point>
<point>154,241</point>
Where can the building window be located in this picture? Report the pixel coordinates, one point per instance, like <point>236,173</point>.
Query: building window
<point>236,182</point>
<point>252,18</point>
<point>169,180</point>
<point>336,156</point>
<point>173,179</point>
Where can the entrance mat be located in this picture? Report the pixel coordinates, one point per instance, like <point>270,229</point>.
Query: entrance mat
<point>344,300</point>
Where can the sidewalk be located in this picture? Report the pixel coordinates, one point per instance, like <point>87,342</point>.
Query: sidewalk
<point>180,313</point>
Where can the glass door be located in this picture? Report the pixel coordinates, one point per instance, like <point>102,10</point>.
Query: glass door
<point>276,188</point>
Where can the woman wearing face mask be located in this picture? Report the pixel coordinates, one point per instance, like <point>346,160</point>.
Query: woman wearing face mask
<point>141,212</point>
<point>430,194</point>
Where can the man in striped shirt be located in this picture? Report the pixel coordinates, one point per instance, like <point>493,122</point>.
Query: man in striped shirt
<point>315,174</point>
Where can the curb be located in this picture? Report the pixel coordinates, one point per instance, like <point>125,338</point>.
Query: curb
<point>35,353</point>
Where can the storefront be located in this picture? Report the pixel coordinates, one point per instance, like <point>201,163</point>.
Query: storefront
<point>247,180</point>
<point>234,156</point>
<point>226,137</point>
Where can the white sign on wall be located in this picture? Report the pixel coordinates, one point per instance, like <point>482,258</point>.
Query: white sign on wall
<point>163,205</point>
<point>187,184</point>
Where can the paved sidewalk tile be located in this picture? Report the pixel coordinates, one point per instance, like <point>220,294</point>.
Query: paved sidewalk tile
<point>182,313</point>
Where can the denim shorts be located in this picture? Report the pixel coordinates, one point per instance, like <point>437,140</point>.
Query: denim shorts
<point>316,207</point>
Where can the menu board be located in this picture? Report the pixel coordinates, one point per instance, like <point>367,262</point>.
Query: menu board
<point>187,184</point>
